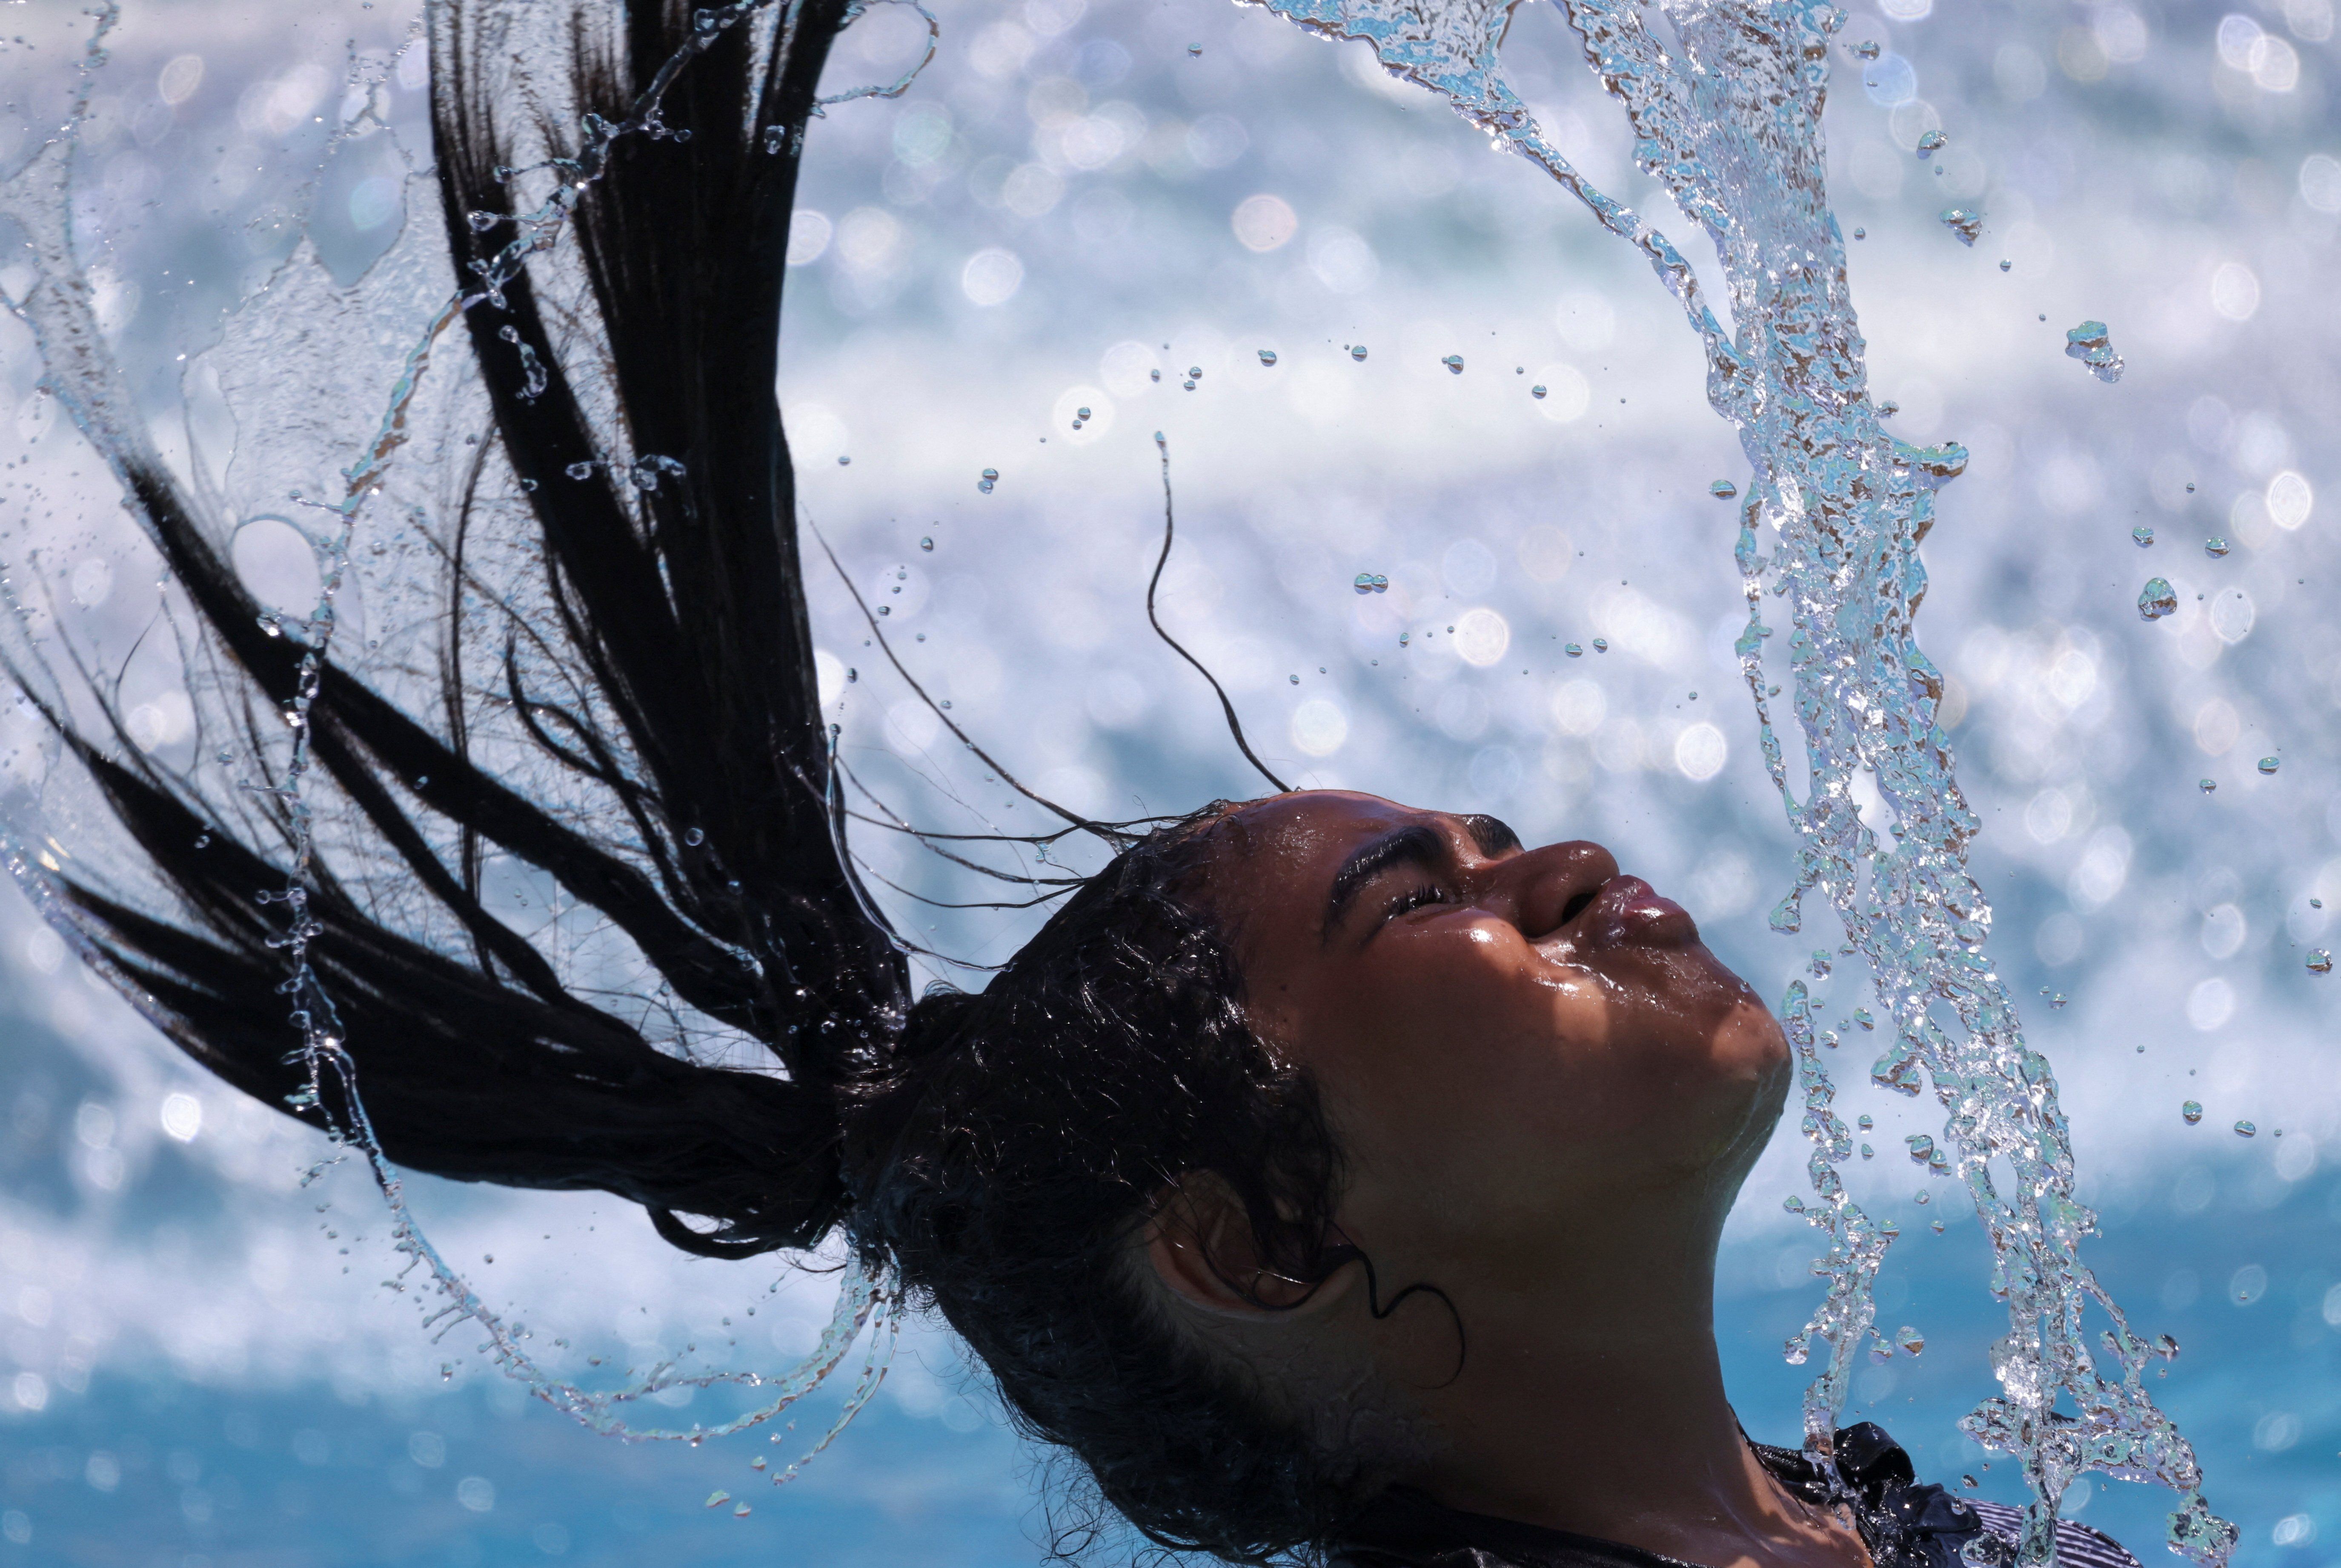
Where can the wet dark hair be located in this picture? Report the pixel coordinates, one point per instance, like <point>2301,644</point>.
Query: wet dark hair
<point>1020,1136</point>
<point>638,721</point>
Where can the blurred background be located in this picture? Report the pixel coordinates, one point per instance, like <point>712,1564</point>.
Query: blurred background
<point>1117,206</point>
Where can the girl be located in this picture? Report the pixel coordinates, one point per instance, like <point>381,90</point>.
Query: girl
<point>1332,1178</point>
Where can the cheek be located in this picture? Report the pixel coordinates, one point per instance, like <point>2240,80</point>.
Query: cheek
<point>1452,1052</point>
<point>1466,1077</point>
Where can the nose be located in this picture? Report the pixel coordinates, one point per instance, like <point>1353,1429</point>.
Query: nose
<point>1542,890</point>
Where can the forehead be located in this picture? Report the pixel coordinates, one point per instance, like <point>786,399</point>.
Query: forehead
<point>1287,848</point>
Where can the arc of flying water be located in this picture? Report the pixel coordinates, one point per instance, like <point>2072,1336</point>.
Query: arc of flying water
<point>862,1296</point>
<point>1732,126</point>
<point>59,310</point>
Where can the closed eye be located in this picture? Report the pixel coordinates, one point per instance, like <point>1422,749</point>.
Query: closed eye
<point>1411,900</point>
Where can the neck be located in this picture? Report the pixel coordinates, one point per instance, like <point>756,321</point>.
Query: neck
<point>1591,1400</point>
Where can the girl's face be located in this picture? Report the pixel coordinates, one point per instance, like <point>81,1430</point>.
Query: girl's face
<point>1517,1047</point>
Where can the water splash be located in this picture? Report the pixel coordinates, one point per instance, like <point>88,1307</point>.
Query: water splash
<point>2093,345</point>
<point>1729,121</point>
<point>58,309</point>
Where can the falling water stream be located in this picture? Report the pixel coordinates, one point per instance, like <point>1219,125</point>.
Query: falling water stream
<point>1729,119</point>
<point>1727,114</point>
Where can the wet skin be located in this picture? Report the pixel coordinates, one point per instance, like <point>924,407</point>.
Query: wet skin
<point>1547,1092</point>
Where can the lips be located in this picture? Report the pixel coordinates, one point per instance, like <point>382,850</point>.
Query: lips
<point>1629,912</point>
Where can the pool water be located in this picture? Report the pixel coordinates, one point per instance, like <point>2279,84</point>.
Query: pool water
<point>187,1377</point>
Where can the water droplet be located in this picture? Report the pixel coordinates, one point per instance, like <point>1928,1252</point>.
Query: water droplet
<point>2191,1112</point>
<point>1404,638</point>
<point>2270,764</point>
<point>1536,392</point>
<point>2143,535</point>
<point>1865,1122</point>
<point>2320,962</point>
<point>1155,375</point>
<point>1793,1204</point>
<point>1966,225</point>
<point>1860,232</point>
<point>2005,264</point>
<point>2247,1130</point>
<point>1723,490</point>
<point>1861,1016</point>
<point>1268,356</point>
<point>944,705</point>
<point>1888,409</point>
<point>1911,1341</point>
<point>2058,1000</point>
<point>1454,363</point>
<point>2156,599</point>
<point>2215,546</point>
<point>1867,1153</point>
<point>852,675</point>
<point>1601,645</point>
<point>1573,650</point>
<point>1294,679</point>
<point>718,1498</point>
<point>694,837</point>
<point>990,477</point>
<point>1370,582</point>
<point>741,1511</point>
<point>1932,143</point>
<point>1194,373</point>
<point>2190,487</point>
<point>1194,50</point>
<point>578,471</point>
<point>927,543</point>
<point>1869,48</point>
<point>2092,345</point>
<point>2206,785</point>
<point>1357,350</point>
<point>1922,1147</point>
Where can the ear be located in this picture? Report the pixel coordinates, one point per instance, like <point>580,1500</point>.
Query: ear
<point>1203,1249</point>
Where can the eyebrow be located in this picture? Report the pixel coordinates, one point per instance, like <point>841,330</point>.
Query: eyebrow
<point>1419,844</point>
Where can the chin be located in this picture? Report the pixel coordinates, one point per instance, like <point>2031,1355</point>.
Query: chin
<point>1751,1040</point>
<point>1751,1036</point>
<point>1749,1069</point>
